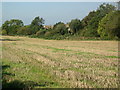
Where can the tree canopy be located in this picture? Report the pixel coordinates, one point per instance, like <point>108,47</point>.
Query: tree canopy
<point>12,26</point>
<point>75,25</point>
<point>91,21</point>
<point>60,28</point>
<point>36,24</point>
<point>38,21</point>
<point>109,26</point>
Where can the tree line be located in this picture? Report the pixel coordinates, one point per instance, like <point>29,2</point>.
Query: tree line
<point>103,23</point>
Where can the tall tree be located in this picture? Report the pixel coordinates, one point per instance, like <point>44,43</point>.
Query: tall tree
<point>36,24</point>
<point>38,21</point>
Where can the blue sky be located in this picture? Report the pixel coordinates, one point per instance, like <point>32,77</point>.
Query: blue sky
<point>52,12</point>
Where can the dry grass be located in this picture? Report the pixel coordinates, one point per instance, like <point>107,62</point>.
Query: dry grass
<point>78,64</point>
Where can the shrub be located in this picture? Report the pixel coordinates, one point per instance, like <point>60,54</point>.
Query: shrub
<point>3,32</point>
<point>23,30</point>
<point>48,33</point>
<point>40,33</point>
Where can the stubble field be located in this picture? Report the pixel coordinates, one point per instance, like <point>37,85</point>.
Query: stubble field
<point>61,64</point>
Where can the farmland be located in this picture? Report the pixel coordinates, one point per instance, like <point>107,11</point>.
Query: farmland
<point>60,64</point>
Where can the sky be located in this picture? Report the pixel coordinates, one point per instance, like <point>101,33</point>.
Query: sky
<point>51,12</point>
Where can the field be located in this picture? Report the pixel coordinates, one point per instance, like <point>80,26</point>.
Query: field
<point>59,64</point>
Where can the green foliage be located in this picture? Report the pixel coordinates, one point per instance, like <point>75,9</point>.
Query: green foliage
<point>75,25</point>
<point>48,33</point>
<point>86,20</point>
<point>109,26</point>
<point>12,26</point>
<point>3,32</point>
<point>89,33</point>
<point>34,29</point>
<point>91,21</point>
<point>56,36</point>
<point>56,25</point>
<point>23,30</point>
<point>105,9</point>
<point>60,28</point>
<point>37,21</point>
<point>5,26</point>
<point>40,33</point>
<point>36,25</point>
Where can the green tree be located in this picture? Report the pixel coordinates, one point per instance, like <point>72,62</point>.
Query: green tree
<point>109,26</point>
<point>36,24</point>
<point>60,28</point>
<point>5,26</point>
<point>105,9</point>
<point>3,32</point>
<point>75,25</point>
<point>93,18</point>
<point>12,26</point>
<point>86,20</point>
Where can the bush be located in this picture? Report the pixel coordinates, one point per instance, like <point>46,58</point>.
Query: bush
<point>40,33</point>
<point>48,33</point>
<point>23,30</point>
<point>87,32</point>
